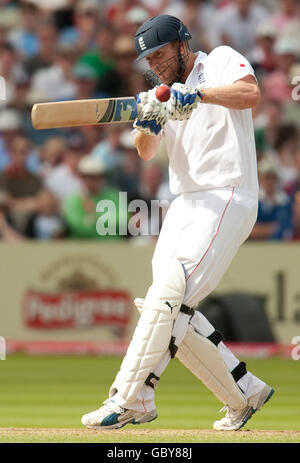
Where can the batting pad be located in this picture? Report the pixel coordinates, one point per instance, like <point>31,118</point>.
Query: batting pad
<point>152,335</point>
<point>204,360</point>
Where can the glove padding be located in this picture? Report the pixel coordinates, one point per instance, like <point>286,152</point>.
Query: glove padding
<point>152,115</point>
<point>182,101</point>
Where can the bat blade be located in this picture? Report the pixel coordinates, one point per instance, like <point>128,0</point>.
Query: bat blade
<point>83,112</point>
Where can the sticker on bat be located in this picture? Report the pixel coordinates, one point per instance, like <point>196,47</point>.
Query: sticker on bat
<point>126,110</point>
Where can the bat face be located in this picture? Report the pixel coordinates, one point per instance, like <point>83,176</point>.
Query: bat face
<point>83,112</point>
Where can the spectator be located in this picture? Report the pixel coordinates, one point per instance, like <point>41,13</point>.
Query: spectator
<point>293,188</point>
<point>91,135</point>
<point>118,11</point>
<point>46,222</point>
<point>127,177</point>
<point>277,85</point>
<point>108,150</point>
<point>51,155</point>
<point>151,179</point>
<point>18,182</point>
<point>236,24</point>
<point>100,58</point>
<point>10,69</point>
<point>274,218</point>
<point>296,217</point>
<point>7,232</point>
<point>288,12</point>
<point>285,146</point>
<point>56,81</point>
<point>82,35</point>
<point>16,179</point>
<point>24,37</point>
<point>133,19</point>
<point>267,123</point>
<point>79,210</point>
<point>47,35</point>
<point>124,80</point>
<point>262,56</point>
<point>197,15</point>
<point>10,127</point>
<point>85,79</point>
<point>64,180</point>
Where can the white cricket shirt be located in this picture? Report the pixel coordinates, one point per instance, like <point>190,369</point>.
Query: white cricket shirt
<point>214,148</point>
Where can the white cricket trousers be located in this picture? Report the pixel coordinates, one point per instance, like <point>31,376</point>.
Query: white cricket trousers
<point>204,231</point>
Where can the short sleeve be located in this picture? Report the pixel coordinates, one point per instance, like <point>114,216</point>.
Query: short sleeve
<point>233,66</point>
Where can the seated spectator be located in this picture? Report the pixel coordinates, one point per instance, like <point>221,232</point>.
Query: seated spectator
<point>56,82</point>
<point>51,155</point>
<point>288,12</point>
<point>100,57</point>
<point>276,85</point>
<point>117,12</point>
<point>133,19</point>
<point>82,35</point>
<point>24,37</point>
<point>150,182</point>
<point>11,69</point>
<point>108,151</point>
<point>85,80</point>
<point>296,217</point>
<point>7,232</point>
<point>16,179</point>
<point>63,180</point>
<point>127,175</point>
<point>293,188</point>
<point>18,182</point>
<point>262,56</point>
<point>47,36</point>
<point>10,128</point>
<point>274,218</point>
<point>267,122</point>
<point>80,210</point>
<point>236,23</point>
<point>123,80</point>
<point>285,149</point>
<point>198,16</point>
<point>46,222</point>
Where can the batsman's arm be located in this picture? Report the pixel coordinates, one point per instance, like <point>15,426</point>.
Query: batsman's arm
<point>146,145</point>
<point>242,94</point>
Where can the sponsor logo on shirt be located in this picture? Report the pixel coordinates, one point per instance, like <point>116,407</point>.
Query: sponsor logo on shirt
<point>201,78</point>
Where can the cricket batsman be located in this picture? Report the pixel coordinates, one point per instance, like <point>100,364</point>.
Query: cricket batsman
<point>208,131</point>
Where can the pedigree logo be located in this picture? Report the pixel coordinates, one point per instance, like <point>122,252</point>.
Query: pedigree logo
<point>74,296</point>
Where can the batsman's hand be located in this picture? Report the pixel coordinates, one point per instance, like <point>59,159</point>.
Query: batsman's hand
<point>152,114</point>
<point>183,101</point>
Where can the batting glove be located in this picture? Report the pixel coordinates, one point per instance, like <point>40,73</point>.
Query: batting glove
<point>152,114</point>
<point>183,100</point>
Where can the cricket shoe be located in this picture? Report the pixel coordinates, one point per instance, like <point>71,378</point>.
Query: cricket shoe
<point>112,416</point>
<point>236,419</point>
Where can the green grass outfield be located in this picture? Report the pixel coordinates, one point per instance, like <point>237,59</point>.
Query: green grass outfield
<point>42,400</point>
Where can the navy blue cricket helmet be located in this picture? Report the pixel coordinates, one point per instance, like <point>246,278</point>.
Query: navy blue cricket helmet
<point>157,32</point>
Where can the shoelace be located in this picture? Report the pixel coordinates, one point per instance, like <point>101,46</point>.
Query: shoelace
<point>110,404</point>
<point>229,411</point>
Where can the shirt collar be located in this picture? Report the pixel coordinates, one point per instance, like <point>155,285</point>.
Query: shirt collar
<point>201,56</point>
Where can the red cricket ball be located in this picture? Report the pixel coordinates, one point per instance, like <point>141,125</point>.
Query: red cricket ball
<point>163,93</point>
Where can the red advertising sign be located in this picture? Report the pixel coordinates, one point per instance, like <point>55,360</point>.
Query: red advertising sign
<point>76,309</point>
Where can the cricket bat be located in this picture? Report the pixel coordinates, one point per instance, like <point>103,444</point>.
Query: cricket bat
<point>83,112</point>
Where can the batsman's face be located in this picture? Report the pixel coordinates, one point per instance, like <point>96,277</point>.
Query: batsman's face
<point>164,63</point>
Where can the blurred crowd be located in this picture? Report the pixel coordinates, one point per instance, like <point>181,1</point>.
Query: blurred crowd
<point>52,180</point>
